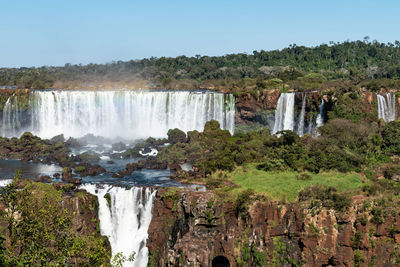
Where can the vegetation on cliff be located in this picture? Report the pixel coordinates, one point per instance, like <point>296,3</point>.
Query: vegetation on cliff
<point>39,227</point>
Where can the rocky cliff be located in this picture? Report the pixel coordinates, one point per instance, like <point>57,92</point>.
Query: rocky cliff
<point>200,229</point>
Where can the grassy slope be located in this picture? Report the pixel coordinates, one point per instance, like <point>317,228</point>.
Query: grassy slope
<point>285,185</point>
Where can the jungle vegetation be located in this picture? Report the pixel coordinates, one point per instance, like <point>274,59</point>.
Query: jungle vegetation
<point>363,63</point>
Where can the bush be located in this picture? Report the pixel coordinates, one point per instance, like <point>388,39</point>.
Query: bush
<point>176,136</point>
<point>391,140</point>
<point>241,202</point>
<point>304,176</point>
<point>327,196</point>
<point>211,126</point>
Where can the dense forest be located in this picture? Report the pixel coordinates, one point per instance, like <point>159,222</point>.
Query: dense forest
<point>367,63</point>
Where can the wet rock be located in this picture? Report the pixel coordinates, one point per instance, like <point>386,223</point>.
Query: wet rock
<point>131,153</point>
<point>74,143</point>
<point>67,177</point>
<point>146,150</point>
<point>118,146</point>
<point>116,155</point>
<point>117,175</point>
<point>43,179</point>
<point>175,167</point>
<point>57,138</point>
<point>96,170</point>
<point>89,157</point>
<point>110,162</point>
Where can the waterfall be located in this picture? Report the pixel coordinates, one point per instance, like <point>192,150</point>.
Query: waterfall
<point>284,113</point>
<point>386,107</point>
<point>300,128</point>
<point>126,221</point>
<point>320,117</point>
<point>287,119</point>
<point>11,117</point>
<point>127,114</point>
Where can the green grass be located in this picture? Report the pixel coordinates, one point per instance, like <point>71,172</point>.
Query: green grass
<point>285,185</point>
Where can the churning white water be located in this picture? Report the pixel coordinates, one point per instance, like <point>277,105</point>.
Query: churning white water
<point>386,107</point>
<point>126,221</point>
<point>5,182</point>
<point>127,114</point>
<point>284,113</point>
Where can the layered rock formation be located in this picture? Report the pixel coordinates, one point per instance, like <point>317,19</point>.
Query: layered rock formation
<point>200,229</point>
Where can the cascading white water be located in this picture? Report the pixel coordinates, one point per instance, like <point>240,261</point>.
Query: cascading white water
<point>320,117</point>
<point>284,113</point>
<point>300,128</point>
<point>126,221</point>
<point>11,117</point>
<point>287,119</point>
<point>386,107</point>
<point>127,114</point>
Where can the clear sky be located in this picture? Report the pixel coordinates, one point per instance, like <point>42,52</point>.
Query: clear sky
<point>55,32</point>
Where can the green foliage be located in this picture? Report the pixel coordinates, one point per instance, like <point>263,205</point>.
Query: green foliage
<point>279,254</point>
<point>241,204</point>
<point>107,196</point>
<point>326,196</point>
<point>391,140</point>
<point>304,176</point>
<point>358,60</point>
<point>176,136</point>
<point>39,229</point>
<point>285,185</point>
<point>377,216</point>
<point>358,258</point>
<point>79,169</point>
<point>119,259</point>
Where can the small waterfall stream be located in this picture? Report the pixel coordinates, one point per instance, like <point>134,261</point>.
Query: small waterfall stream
<point>284,113</point>
<point>320,118</point>
<point>386,107</point>
<point>11,117</point>
<point>300,128</point>
<point>126,221</point>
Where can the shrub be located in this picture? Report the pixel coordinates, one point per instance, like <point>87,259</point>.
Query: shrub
<point>304,176</point>
<point>176,136</point>
<point>80,169</point>
<point>241,202</point>
<point>391,140</point>
<point>327,196</point>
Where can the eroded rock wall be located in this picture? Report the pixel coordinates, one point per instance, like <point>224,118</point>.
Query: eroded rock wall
<point>195,227</point>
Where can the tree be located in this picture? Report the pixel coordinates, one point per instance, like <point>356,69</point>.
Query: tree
<point>391,140</point>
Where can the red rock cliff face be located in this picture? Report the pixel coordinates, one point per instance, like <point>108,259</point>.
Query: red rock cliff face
<point>247,104</point>
<point>196,227</point>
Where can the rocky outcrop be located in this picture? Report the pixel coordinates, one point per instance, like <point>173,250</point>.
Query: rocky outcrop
<point>195,228</point>
<point>260,107</point>
<point>248,104</point>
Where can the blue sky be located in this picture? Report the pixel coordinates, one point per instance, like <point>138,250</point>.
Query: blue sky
<point>55,32</point>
